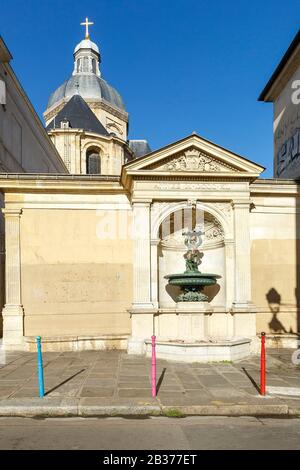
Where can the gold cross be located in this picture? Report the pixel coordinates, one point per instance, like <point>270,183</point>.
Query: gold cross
<point>86,23</point>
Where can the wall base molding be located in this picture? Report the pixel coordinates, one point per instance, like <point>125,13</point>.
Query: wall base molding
<point>78,343</point>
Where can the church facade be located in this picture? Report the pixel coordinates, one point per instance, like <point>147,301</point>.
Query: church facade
<point>87,252</point>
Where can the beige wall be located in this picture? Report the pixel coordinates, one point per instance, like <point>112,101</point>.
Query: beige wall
<point>78,258</point>
<point>75,280</point>
<point>274,259</point>
<point>111,122</point>
<point>72,146</point>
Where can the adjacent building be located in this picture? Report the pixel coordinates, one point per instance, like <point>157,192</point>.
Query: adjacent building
<point>24,144</point>
<point>283,90</point>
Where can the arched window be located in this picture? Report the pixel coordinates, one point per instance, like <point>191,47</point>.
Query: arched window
<point>93,162</point>
<point>94,65</point>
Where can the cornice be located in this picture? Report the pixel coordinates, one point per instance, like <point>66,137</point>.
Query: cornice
<point>275,187</point>
<point>85,133</point>
<point>184,176</point>
<point>165,177</point>
<point>60,184</point>
<point>101,104</point>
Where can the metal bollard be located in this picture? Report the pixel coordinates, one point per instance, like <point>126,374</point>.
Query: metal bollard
<point>263,364</point>
<point>40,367</point>
<point>153,366</point>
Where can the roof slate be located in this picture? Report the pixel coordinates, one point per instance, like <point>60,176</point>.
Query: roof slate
<point>79,115</point>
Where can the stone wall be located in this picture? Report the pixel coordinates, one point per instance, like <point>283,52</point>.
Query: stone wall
<point>74,280</point>
<point>274,263</point>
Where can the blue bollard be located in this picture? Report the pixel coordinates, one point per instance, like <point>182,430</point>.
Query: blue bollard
<point>40,367</point>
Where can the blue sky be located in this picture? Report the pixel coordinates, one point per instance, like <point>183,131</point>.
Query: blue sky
<point>180,66</point>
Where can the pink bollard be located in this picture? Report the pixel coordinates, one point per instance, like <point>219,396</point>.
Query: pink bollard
<point>153,366</point>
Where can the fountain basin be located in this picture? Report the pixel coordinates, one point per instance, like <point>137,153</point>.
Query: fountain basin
<point>192,284</point>
<point>200,351</point>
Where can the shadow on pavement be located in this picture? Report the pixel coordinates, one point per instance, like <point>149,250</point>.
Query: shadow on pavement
<point>64,382</point>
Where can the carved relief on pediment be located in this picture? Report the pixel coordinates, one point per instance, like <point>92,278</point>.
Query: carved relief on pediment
<point>193,160</point>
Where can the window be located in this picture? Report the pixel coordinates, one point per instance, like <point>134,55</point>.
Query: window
<point>2,93</point>
<point>85,64</point>
<point>65,124</point>
<point>93,162</point>
<point>93,65</point>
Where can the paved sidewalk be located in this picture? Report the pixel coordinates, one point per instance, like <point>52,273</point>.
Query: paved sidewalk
<point>112,383</point>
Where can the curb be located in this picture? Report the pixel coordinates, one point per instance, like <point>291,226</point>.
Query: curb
<point>74,409</point>
<point>229,410</point>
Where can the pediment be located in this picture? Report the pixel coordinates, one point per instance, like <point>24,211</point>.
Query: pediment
<point>193,156</point>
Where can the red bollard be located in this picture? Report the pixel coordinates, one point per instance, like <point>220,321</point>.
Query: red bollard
<point>263,365</point>
<point>153,366</point>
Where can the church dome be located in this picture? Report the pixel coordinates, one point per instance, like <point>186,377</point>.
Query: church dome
<point>90,87</point>
<point>86,79</point>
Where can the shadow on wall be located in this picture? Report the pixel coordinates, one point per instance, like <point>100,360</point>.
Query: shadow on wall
<point>274,302</point>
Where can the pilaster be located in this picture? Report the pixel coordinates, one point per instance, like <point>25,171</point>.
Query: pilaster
<point>13,330</point>
<point>242,286</point>
<point>142,256</point>
<point>154,272</point>
<point>229,272</point>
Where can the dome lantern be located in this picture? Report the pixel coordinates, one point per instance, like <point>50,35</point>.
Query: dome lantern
<point>86,55</point>
<point>86,80</point>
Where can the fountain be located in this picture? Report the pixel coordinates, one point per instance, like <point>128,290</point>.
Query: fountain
<point>192,281</point>
<point>193,330</point>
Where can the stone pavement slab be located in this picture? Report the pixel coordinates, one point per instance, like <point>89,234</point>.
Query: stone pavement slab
<point>90,383</point>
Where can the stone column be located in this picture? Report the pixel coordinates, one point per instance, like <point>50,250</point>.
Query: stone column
<point>242,291</point>
<point>13,330</point>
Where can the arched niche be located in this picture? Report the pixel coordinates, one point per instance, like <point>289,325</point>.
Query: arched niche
<point>171,250</point>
